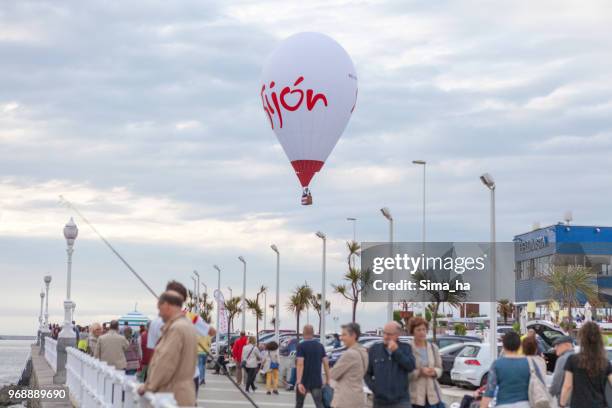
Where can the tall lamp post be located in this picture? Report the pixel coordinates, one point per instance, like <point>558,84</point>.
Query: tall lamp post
<point>323,303</point>
<point>40,317</point>
<point>387,214</point>
<point>265,308</point>
<point>230,291</point>
<point>71,232</point>
<point>243,306</point>
<point>205,288</point>
<point>276,308</point>
<point>195,286</point>
<point>47,280</point>
<point>198,291</point>
<point>489,182</point>
<point>218,311</point>
<point>354,221</point>
<point>424,164</point>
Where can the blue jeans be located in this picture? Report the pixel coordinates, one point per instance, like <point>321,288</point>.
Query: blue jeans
<point>202,365</point>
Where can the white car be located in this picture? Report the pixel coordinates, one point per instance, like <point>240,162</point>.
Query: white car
<point>472,365</point>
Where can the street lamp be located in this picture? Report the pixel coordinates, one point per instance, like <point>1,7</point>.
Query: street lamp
<point>276,308</point>
<point>387,214</point>
<point>489,182</point>
<point>265,316</point>
<point>323,303</point>
<point>193,294</point>
<point>218,311</point>
<point>354,221</point>
<point>205,288</point>
<point>47,280</point>
<point>230,291</point>
<point>198,291</point>
<point>241,259</point>
<point>40,316</point>
<point>70,233</point>
<point>424,164</point>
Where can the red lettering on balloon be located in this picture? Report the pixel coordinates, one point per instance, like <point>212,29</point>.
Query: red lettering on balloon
<point>265,108</point>
<point>283,100</point>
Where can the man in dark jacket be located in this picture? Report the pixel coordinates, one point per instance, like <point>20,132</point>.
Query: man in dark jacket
<point>389,364</point>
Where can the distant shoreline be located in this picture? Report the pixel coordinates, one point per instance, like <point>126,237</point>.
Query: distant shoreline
<point>11,337</point>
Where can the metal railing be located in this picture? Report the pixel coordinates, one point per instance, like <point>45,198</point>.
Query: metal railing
<point>93,383</point>
<point>51,352</point>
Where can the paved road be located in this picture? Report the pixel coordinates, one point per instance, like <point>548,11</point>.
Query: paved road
<point>219,392</point>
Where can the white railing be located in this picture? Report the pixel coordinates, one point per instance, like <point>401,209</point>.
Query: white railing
<point>51,352</point>
<point>93,383</point>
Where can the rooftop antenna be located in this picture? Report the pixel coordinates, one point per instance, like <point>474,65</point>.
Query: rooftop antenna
<point>567,217</point>
<point>68,204</point>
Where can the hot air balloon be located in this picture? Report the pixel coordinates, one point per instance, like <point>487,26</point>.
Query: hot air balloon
<point>308,93</point>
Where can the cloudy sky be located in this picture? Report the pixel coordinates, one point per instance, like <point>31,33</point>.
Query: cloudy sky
<point>147,116</point>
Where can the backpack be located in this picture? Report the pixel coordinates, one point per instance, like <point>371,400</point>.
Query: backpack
<point>538,394</point>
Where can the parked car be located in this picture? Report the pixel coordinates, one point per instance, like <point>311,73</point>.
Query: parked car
<point>448,355</point>
<point>365,341</point>
<point>472,364</point>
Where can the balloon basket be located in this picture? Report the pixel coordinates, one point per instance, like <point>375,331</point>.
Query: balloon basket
<point>306,197</point>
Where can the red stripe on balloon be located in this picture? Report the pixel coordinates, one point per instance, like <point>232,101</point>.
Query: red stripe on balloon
<point>306,169</point>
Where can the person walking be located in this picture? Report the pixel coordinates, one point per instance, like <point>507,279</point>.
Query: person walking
<point>389,364</point>
<point>95,331</point>
<point>133,354</point>
<point>175,357</point>
<point>250,362</point>
<point>424,386</point>
<point>508,377</point>
<point>237,354</point>
<point>270,366</point>
<point>203,351</point>
<point>111,347</point>
<point>564,348</point>
<point>529,346</point>
<point>309,356</point>
<point>586,372</point>
<point>83,340</point>
<point>347,374</point>
<point>147,352</point>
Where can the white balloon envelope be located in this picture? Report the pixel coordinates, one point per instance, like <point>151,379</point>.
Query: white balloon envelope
<point>308,92</point>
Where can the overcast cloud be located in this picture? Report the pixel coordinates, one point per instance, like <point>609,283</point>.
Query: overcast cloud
<point>146,115</point>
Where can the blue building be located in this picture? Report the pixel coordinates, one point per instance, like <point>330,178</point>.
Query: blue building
<point>538,251</point>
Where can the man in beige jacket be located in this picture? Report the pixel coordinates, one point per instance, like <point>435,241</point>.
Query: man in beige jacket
<point>111,347</point>
<point>174,360</point>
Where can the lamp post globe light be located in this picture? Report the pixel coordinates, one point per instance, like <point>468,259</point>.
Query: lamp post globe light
<point>71,232</point>
<point>217,339</point>
<point>387,214</point>
<point>489,182</point>
<point>276,308</point>
<point>323,303</point>
<point>243,303</point>
<point>47,280</point>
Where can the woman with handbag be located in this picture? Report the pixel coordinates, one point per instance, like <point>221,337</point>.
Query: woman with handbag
<point>587,372</point>
<point>423,381</point>
<point>250,362</point>
<point>270,366</point>
<point>347,374</point>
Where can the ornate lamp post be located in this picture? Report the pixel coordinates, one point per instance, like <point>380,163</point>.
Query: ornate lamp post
<point>70,233</point>
<point>47,283</point>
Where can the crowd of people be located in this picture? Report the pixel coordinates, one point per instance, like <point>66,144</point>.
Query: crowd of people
<point>170,355</point>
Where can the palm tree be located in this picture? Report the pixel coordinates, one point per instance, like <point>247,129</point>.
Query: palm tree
<point>437,297</point>
<point>233,309</point>
<point>567,281</point>
<point>315,302</point>
<point>298,302</point>
<point>357,280</point>
<point>505,308</point>
<point>253,306</point>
